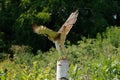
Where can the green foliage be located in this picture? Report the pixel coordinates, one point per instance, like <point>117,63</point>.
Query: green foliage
<point>96,59</point>
<point>112,34</point>
<point>91,59</point>
<point>1,44</point>
<point>17,17</point>
<point>43,16</point>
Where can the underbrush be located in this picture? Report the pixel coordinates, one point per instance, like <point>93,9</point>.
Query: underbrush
<point>91,59</point>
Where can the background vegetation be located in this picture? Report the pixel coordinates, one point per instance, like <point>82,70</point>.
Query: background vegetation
<point>93,45</point>
<point>17,17</point>
<point>90,59</point>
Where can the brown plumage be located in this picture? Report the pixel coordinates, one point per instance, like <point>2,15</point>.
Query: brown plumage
<point>58,37</point>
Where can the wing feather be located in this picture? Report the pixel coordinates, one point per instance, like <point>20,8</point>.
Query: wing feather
<point>66,27</point>
<point>52,35</point>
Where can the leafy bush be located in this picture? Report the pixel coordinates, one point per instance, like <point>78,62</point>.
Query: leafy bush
<point>112,35</point>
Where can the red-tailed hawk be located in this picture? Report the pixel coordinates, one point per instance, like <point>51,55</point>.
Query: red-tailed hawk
<point>58,37</point>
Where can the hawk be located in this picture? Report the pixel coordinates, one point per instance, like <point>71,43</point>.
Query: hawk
<point>58,37</point>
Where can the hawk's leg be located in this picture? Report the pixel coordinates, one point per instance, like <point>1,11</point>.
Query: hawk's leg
<point>57,47</point>
<point>61,50</point>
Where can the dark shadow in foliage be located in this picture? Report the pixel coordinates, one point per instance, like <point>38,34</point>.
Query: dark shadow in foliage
<point>17,17</point>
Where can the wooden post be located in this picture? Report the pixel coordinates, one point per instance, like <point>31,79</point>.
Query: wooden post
<point>62,69</point>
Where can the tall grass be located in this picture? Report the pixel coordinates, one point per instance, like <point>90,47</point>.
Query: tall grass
<point>91,59</point>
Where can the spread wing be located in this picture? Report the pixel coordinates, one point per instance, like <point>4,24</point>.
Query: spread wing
<point>52,35</point>
<point>66,27</point>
